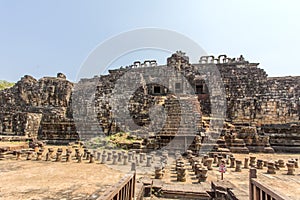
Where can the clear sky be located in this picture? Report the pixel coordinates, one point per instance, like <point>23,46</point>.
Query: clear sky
<point>42,38</point>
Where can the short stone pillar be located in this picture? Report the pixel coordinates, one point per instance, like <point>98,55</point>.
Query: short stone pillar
<point>115,157</point>
<point>259,164</point>
<point>125,159</point>
<point>209,162</point>
<point>119,157</point>
<point>92,158</point>
<point>79,158</point>
<point>29,155</point>
<point>58,157</point>
<point>48,158</point>
<point>291,168</point>
<point>238,165</point>
<point>202,175</point>
<point>246,163</point>
<point>296,163</point>
<point>50,151</point>
<point>277,165</point>
<point>204,159</point>
<point>281,163</point>
<point>133,166</point>
<point>77,152</point>
<point>103,160</point>
<point>219,160</point>
<point>88,154</point>
<point>271,168</point>
<point>108,156</point>
<point>232,162</point>
<point>149,159</point>
<point>181,174</point>
<point>252,161</point>
<point>129,156</point>
<point>98,156</point>
<point>152,157</point>
<point>18,155</point>
<point>137,161</point>
<point>158,172</point>
<point>68,157</point>
<point>215,158</point>
<point>133,155</point>
<point>38,156</point>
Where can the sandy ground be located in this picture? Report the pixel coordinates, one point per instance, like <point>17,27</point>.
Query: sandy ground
<point>70,181</point>
<point>54,180</point>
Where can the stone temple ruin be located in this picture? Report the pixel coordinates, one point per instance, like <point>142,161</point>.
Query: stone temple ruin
<point>262,113</point>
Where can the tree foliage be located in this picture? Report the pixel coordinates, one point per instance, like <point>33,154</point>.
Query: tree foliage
<point>5,84</point>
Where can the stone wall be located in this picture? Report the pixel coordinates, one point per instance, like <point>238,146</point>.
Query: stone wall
<point>38,109</point>
<point>47,108</point>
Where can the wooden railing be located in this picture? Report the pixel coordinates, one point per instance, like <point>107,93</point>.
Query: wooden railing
<point>123,190</point>
<point>259,191</point>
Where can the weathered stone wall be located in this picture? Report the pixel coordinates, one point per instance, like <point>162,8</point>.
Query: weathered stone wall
<point>44,108</point>
<point>38,109</point>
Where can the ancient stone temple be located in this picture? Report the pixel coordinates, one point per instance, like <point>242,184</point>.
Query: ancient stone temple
<point>38,109</point>
<point>262,113</point>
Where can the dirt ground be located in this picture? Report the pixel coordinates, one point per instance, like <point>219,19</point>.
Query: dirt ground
<point>41,180</point>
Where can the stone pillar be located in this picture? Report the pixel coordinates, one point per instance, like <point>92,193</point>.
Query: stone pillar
<point>209,162</point>
<point>219,160</point>
<point>246,163</point>
<point>281,163</point>
<point>68,158</point>
<point>271,168</point>
<point>238,165</point>
<point>296,163</point>
<point>50,151</point>
<point>103,160</point>
<point>38,156</point>
<point>265,163</point>
<point>98,156</point>
<point>291,168</point>
<point>79,158</point>
<point>92,158</point>
<point>18,155</point>
<point>88,154</point>
<point>202,175</point>
<point>259,164</point>
<point>141,158</point>
<point>125,158</point>
<point>133,166</point>
<point>149,158</point>
<point>232,162</point>
<point>252,161</point>
<point>58,157</point>
<point>84,153</point>
<point>277,165</point>
<point>215,158</point>
<point>119,157</point>
<point>29,155</point>
<point>158,172</point>
<point>133,155</point>
<point>204,159</point>
<point>181,174</point>
<point>129,156</point>
<point>108,156</point>
<point>115,157</point>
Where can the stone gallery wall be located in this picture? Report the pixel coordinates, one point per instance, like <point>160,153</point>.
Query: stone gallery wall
<point>47,108</point>
<point>38,109</point>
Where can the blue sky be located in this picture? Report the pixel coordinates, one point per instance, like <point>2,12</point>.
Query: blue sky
<point>42,38</point>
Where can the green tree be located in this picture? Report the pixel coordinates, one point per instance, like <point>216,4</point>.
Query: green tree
<point>5,84</point>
